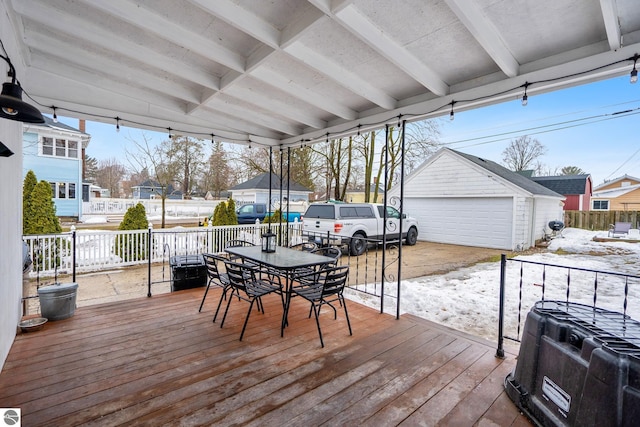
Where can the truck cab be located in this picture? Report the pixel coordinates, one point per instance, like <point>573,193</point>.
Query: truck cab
<point>356,225</point>
<point>247,214</point>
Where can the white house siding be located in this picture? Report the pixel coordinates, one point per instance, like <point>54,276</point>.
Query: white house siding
<point>11,234</point>
<point>470,221</point>
<point>459,201</point>
<point>55,169</point>
<point>547,210</point>
<point>449,176</point>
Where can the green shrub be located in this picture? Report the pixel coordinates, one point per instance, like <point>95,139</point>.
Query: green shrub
<point>40,217</point>
<point>131,247</point>
<point>42,211</point>
<point>220,214</point>
<point>232,217</point>
<point>29,183</point>
<point>276,217</point>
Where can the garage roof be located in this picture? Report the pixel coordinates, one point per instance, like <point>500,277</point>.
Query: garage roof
<point>513,177</point>
<point>288,72</point>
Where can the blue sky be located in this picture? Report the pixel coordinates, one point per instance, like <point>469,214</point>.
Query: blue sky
<point>605,145</point>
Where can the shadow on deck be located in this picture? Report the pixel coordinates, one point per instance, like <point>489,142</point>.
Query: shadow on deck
<point>153,361</point>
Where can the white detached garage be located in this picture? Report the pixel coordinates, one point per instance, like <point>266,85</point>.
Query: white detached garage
<point>466,200</point>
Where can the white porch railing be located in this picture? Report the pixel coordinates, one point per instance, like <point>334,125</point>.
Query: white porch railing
<point>111,206</point>
<point>91,250</point>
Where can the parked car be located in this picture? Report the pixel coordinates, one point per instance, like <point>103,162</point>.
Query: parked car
<point>355,224</point>
<point>247,214</point>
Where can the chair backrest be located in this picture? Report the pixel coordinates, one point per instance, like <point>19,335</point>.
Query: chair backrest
<point>237,243</point>
<point>622,227</point>
<point>329,251</point>
<point>305,246</point>
<point>211,262</point>
<point>335,279</point>
<point>237,274</point>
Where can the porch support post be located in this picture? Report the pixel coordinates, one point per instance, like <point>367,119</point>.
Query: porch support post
<point>402,142</point>
<point>384,217</point>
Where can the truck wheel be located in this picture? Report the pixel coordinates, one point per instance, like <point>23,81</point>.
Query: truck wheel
<point>412,236</point>
<point>358,244</point>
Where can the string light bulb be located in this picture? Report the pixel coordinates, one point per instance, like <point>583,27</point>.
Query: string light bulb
<point>525,98</point>
<point>451,115</point>
<point>169,129</point>
<point>634,72</point>
<point>213,141</point>
<point>117,124</point>
<point>55,116</point>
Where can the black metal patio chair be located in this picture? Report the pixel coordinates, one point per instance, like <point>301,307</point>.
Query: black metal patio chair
<point>305,246</point>
<point>326,287</point>
<point>302,275</point>
<point>246,285</point>
<point>215,278</point>
<point>236,244</point>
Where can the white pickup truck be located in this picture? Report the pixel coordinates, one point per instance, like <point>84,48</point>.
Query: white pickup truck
<point>356,225</point>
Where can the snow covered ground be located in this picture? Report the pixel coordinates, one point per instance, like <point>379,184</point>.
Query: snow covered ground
<point>467,299</point>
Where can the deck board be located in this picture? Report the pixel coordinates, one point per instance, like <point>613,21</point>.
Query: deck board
<point>156,360</point>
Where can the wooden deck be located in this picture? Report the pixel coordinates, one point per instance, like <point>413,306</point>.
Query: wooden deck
<point>157,361</point>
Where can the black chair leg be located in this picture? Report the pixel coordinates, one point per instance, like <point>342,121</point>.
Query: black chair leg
<point>246,320</point>
<point>344,304</point>
<point>223,296</point>
<point>315,310</point>
<point>227,309</point>
<point>204,297</point>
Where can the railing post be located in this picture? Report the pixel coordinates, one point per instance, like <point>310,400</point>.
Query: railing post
<point>73,257</point>
<point>503,274</point>
<point>149,255</point>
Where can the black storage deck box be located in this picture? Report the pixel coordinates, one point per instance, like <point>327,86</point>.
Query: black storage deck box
<point>187,271</point>
<point>578,366</point>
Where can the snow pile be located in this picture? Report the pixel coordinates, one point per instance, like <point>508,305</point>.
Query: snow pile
<point>467,299</point>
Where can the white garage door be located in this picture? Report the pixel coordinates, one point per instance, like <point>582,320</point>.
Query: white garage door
<point>483,222</point>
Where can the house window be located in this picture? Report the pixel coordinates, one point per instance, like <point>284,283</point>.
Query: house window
<point>63,190</point>
<point>47,146</point>
<point>73,149</point>
<point>59,147</point>
<point>600,205</point>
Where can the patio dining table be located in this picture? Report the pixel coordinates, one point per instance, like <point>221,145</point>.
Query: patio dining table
<point>283,260</point>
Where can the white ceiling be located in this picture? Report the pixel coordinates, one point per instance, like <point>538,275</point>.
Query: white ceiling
<point>279,72</point>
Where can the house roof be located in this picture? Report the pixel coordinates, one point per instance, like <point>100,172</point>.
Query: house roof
<point>510,176</point>
<point>282,72</point>
<point>154,184</point>
<point>624,177</point>
<point>261,182</point>
<point>612,193</point>
<point>48,121</point>
<point>564,184</point>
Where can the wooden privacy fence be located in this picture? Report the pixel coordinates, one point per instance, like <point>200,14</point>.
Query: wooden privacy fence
<point>600,220</point>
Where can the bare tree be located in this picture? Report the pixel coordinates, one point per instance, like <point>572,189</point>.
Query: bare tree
<point>108,175</point>
<point>188,153</point>
<point>421,140</point>
<point>159,162</point>
<point>303,164</point>
<point>522,153</point>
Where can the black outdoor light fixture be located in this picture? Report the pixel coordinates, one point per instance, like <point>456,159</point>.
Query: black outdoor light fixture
<point>4,151</point>
<point>12,107</point>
